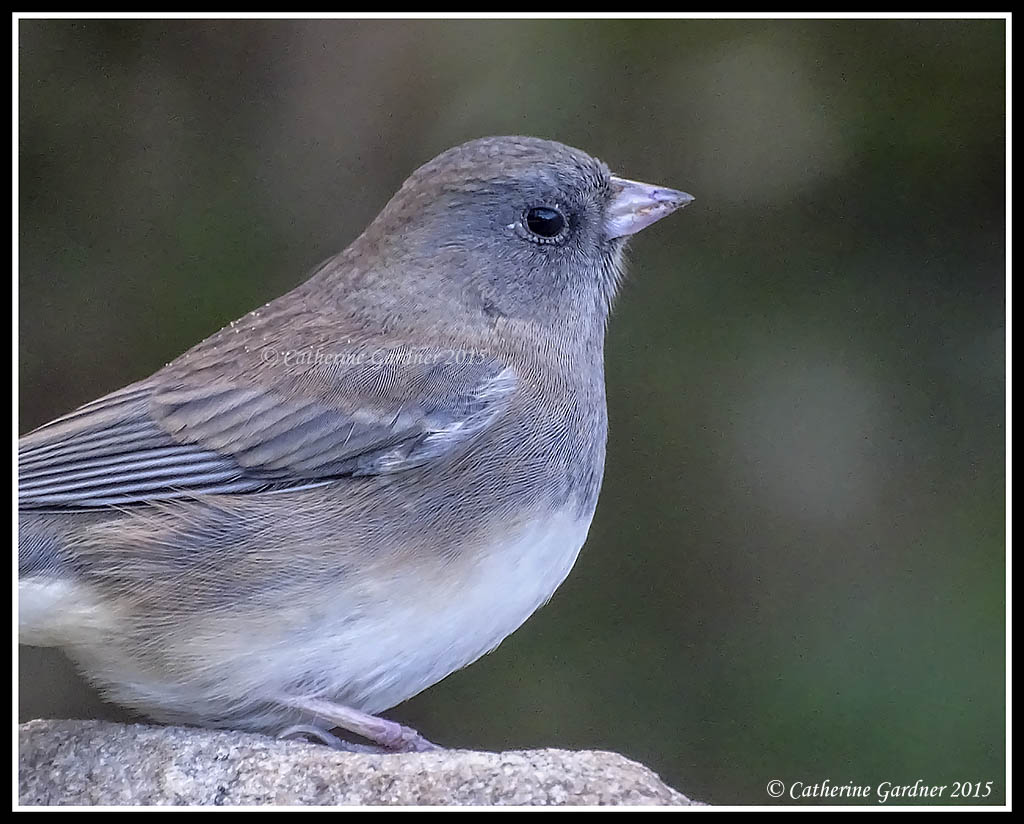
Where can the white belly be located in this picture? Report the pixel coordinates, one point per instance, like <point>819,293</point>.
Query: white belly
<point>420,631</point>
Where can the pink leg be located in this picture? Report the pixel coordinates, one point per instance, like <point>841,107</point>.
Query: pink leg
<point>388,734</point>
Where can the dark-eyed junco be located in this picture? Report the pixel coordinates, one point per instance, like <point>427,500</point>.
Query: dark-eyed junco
<point>357,489</point>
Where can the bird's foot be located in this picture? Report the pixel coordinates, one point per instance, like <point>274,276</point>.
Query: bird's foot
<point>312,731</point>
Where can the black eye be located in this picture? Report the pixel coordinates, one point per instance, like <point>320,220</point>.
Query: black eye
<point>545,222</point>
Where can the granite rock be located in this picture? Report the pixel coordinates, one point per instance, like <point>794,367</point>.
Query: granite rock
<point>97,762</point>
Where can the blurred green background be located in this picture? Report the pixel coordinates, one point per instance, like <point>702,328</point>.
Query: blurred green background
<point>796,570</point>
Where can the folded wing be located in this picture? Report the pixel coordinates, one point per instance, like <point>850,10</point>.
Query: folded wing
<point>173,436</point>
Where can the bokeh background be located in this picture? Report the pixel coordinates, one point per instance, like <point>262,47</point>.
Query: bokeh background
<point>796,570</point>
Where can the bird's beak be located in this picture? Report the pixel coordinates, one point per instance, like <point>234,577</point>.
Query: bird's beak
<point>635,206</point>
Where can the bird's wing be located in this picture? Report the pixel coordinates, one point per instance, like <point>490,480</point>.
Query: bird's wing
<point>181,434</point>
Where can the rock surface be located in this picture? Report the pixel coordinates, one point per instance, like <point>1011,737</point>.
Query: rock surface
<point>96,762</point>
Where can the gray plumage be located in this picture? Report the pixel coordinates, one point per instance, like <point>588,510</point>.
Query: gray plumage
<point>358,488</point>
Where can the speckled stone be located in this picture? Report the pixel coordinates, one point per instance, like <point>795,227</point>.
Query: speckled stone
<point>96,762</point>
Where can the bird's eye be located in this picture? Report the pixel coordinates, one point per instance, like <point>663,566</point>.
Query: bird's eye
<point>544,221</point>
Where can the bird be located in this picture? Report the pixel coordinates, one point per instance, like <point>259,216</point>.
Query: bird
<point>344,496</point>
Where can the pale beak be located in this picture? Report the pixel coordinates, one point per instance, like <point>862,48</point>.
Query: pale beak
<point>635,206</point>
